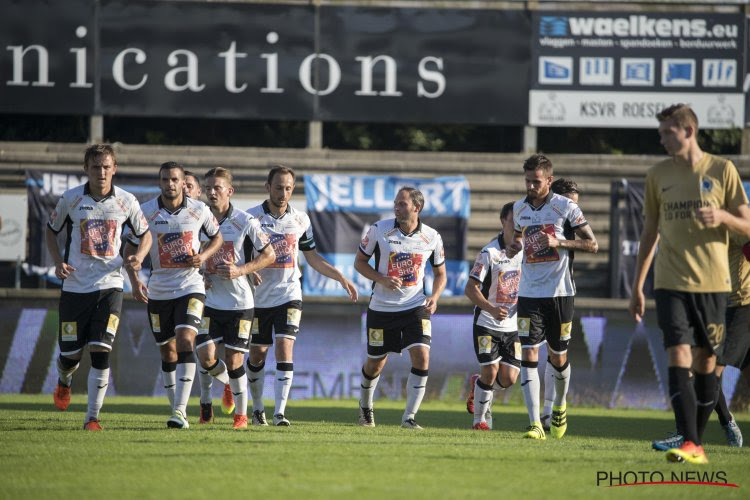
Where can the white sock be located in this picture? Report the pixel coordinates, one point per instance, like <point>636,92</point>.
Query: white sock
<point>66,376</point>
<point>416,385</point>
<point>549,388</point>
<point>185,375</point>
<point>482,401</point>
<point>281,386</point>
<point>219,372</point>
<point>562,382</point>
<point>256,379</point>
<point>239,391</point>
<point>97,384</point>
<point>170,380</point>
<point>367,390</point>
<point>530,386</point>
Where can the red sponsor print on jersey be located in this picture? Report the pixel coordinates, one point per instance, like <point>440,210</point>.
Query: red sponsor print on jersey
<point>405,266</point>
<point>532,236</point>
<point>98,237</point>
<point>477,269</point>
<point>365,241</point>
<point>285,247</point>
<point>507,287</point>
<point>175,249</point>
<point>224,254</point>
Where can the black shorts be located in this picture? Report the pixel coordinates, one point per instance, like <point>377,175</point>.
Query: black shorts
<point>695,319</point>
<point>393,331</point>
<point>492,347</point>
<point>736,350</point>
<point>88,318</point>
<point>229,327</point>
<point>166,316</point>
<point>282,320</point>
<point>549,318</point>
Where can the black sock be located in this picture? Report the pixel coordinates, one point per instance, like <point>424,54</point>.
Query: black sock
<point>682,396</point>
<point>722,409</point>
<point>706,393</point>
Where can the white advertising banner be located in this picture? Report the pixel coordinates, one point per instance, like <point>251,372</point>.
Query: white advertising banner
<point>13,213</point>
<point>556,108</point>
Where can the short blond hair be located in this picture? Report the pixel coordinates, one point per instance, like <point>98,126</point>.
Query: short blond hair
<point>219,172</point>
<point>682,114</point>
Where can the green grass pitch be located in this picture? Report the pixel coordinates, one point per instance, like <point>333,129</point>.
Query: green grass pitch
<point>324,454</point>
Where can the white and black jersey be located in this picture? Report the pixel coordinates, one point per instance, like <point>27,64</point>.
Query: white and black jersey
<point>176,237</point>
<point>94,229</point>
<point>546,271</point>
<point>499,276</point>
<point>404,256</point>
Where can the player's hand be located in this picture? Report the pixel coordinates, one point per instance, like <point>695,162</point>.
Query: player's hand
<point>548,241</point>
<point>64,270</point>
<point>228,270</point>
<point>431,304</point>
<point>350,288</point>
<point>390,282</point>
<point>710,216</point>
<point>257,280</point>
<point>499,313</point>
<point>513,249</point>
<point>140,291</point>
<point>637,306</point>
<point>134,263</point>
<point>196,260</point>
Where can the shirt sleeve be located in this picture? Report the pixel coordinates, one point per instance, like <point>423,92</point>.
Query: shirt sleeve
<point>59,215</point>
<point>257,237</point>
<point>481,266</point>
<point>735,195</point>
<point>650,198</point>
<point>307,240</point>
<point>438,254</point>
<point>575,216</point>
<point>210,225</point>
<point>368,243</point>
<point>136,220</point>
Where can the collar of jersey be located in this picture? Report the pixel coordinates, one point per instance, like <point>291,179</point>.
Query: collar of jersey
<point>87,192</point>
<point>501,241</point>
<point>267,210</point>
<point>161,205</point>
<point>228,215</point>
<point>418,229</point>
<point>546,200</point>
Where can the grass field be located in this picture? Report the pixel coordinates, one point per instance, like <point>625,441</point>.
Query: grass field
<point>45,454</point>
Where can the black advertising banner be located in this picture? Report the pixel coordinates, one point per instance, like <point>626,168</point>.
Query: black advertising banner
<point>424,65</point>
<point>618,69</point>
<point>47,62</point>
<point>219,60</point>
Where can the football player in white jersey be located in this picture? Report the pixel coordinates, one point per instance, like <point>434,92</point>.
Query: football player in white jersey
<point>278,294</point>
<point>228,315</point>
<point>91,270</point>
<point>175,292</point>
<point>493,289</point>
<point>399,313</point>
<point>545,295</point>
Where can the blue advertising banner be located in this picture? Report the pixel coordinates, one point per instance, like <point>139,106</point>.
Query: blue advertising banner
<point>342,208</point>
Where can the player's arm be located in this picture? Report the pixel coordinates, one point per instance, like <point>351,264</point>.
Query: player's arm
<point>737,221</point>
<point>213,245</point>
<point>473,292</point>
<point>326,269</point>
<point>62,269</point>
<point>363,267</point>
<point>586,243</point>
<point>140,291</point>
<point>646,248</point>
<point>265,258</point>
<point>438,285</point>
<point>135,260</point>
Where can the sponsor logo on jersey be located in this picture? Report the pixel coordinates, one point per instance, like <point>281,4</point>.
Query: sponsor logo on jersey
<point>85,207</point>
<point>406,266</point>
<point>195,307</point>
<point>175,249</point>
<point>244,329</point>
<point>485,344</point>
<point>477,269</point>
<point>98,237</point>
<point>375,337</point>
<point>112,323</point>
<point>507,286</point>
<point>161,222</point>
<point>223,255</point>
<point>533,248</point>
<point>285,247</point>
<point>69,331</point>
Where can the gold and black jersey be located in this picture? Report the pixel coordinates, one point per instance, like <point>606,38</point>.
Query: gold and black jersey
<point>691,256</point>
<point>739,272</point>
